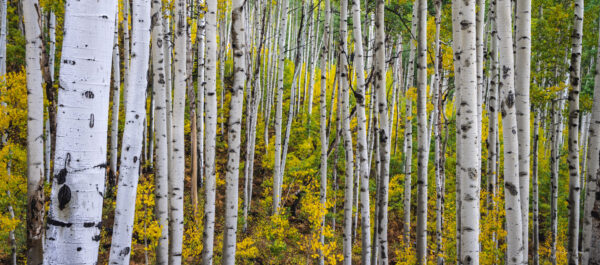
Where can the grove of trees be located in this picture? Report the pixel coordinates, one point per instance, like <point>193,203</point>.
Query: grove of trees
<point>300,132</point>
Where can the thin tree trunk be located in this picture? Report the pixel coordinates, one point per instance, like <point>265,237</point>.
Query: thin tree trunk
<point>514,252</point>
<point>201,89</point>
<point>116,100</point>
<point>535,191</point>
<point>135,118</point>
<point>279,109</point>
<point>81,134</point>
<point>323,130</point>
<point>423,154</point>
<point>35,131</point>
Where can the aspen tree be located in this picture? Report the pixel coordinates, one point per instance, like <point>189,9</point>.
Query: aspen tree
<point>573,158</point>
<point>535,191</point>
<point>35,131</point>
<point>161,172</point>
<point>423,146</point>
<point>211,132</point>
<point>323,127</point>
<point>362,135</point>
<point>590,240</point>
<point>201,87</point>
<point>177,155</point>
<point>514,252</point>
<point>135,117</point>
<point>234,131</point>
<point>383,130</point>
<point>75,214</point>
<point>279,108</point>
<point>522,80</point>
<point>116,98</point>
<point>408,127</point>
<point>467,136</point>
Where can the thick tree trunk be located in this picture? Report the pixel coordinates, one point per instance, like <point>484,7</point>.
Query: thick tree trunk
<point>468,136</point>
<point>177,156</point>
<point>573,158</point>
<point>514,252</point>
<point>590,221</point>
<point>383,131</point>
<point>161,172</point>
<point>522,80</point>
<point>234,131</point>
<point>362,135</point>
<point>135,121</point>
<point>73,224</point>
<point>211,132</point>
<point>35,131</point>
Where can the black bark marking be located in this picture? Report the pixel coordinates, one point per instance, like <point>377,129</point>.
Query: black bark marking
<point>61,177</point>
<point>88,94</point>
<point>511,188</point>
<point>96,238</point>
<point>79,249</point>
<point>71,62</point>
<point>124,252</point>
<point>510,99</point>
<point>53,222</point>
<point>64,196</point>
<point>88,224</point>
<point>92,120</point>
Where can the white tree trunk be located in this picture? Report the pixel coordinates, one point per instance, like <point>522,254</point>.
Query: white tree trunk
<point>346,133</point>
<point>201,89</point>
<point>35,131</point>
<point>177,156</point>
<point>73,232</point>
<point>514,252</point>
<point>116,100</point>
<point>573,158</point>
<point>211,132</point>
<point>135,121</point>
<point>323,129</point>
<point>383,131</point>
<point>522,79</point>
<point>467,136</point>
<point>591,190</point>
<point>161,173</point>
<point>234,131</point>
<point>364,167</point>
<point>279,109</point>
<point>423,154</point>
<point>535,191</point>
<point>3,35</point>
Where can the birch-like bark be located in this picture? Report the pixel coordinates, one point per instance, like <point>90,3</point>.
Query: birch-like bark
<point>408,128</point>
<point>201,88</point>
<point>35,131</point>
<point>234,131</point>
<point>75,214</point>
<point>589,242</point>
<point>323,129</point>
<point>135,117</point>
<point>492,104</point>
<point>573,158</point>
<point>468,136</point>
<point>51,54</point>
<point>177,156</point>
<point>279,108</point>
<point>211,132</point>
<point>116,100</point>
<point>514,252</point>
<point>126,47</point>
<point>422,151</point>
<point>535,191</point>
<point>364,167</point>
<point>346,133</point>
<point>383,131</point>
<point>436,122</point>
<point>522,79</point>
<point>160,125</point>
<point>456,18</point>
<point>3,35</point>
